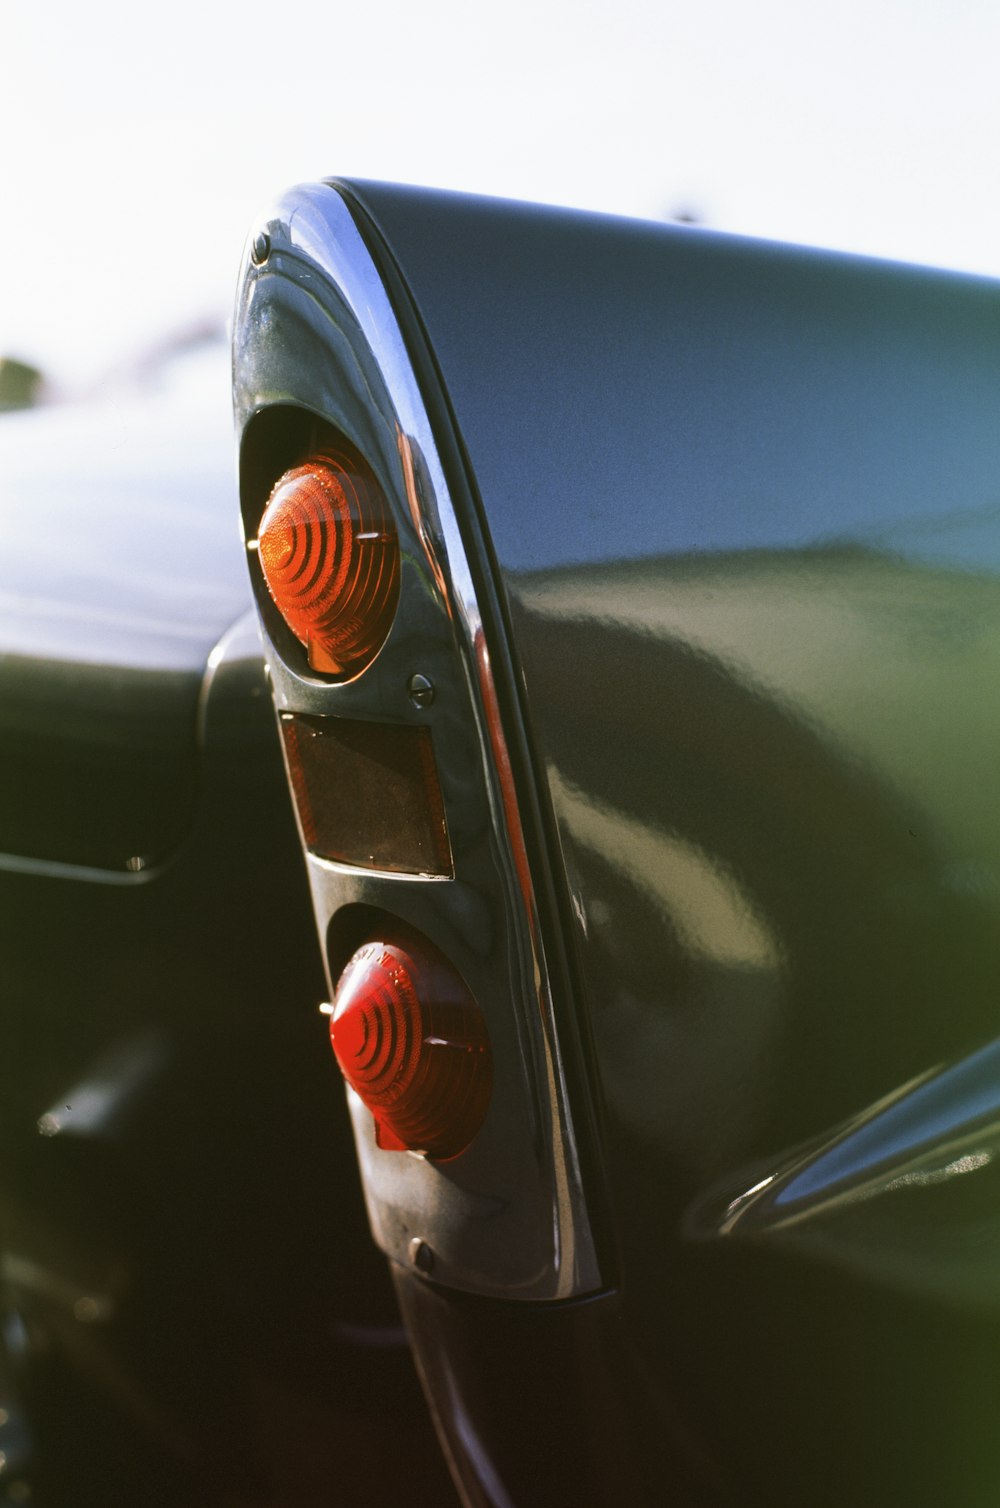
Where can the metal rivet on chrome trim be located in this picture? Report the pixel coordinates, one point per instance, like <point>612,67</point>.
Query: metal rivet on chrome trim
<point>421,690</point>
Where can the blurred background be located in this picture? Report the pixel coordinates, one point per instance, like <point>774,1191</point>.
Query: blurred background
<point>138,144</point>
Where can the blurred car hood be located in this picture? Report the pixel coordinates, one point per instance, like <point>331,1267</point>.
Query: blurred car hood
<point>119,572</point>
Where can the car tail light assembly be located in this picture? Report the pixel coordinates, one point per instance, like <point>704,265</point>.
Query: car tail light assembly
<point>330,557</point>
<point>367,794</point>
<point>413,1045</point>
<point>409,771</point>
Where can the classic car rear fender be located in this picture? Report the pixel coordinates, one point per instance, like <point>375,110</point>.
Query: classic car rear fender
<point>727,515</point>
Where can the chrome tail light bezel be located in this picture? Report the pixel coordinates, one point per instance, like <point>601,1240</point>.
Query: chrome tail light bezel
<point>318,333</point>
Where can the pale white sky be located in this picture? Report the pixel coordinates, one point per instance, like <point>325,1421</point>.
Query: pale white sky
<point>138,143</point>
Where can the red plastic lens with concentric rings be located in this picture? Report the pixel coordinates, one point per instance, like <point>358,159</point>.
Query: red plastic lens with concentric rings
<point>330,556</point>
<point>411,1041</point>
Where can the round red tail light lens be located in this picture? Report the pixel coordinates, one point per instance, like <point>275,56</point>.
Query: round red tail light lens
<point>329,552</point>
<point>412,1043</point>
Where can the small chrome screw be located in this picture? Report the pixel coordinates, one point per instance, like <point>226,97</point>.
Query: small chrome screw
<point>261,248</point>
<point>421,690</point>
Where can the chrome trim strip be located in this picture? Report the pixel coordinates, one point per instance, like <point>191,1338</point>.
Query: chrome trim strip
<point>56,869</point>
<point>320,229</point>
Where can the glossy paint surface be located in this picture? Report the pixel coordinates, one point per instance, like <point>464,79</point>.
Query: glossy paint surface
<point>743,501</point>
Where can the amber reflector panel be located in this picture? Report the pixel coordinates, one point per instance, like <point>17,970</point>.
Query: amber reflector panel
<point>368,793</point>
<point>330,556</point>
<point>411,1041</point>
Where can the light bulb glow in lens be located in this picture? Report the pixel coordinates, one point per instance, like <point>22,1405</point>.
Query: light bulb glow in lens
<point>412,1043</point>
<point>329,552</point>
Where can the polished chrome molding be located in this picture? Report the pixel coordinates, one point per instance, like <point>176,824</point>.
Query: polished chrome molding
<point>314,230</point>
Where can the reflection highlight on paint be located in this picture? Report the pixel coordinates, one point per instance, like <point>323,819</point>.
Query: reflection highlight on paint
<point>713,916</point>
